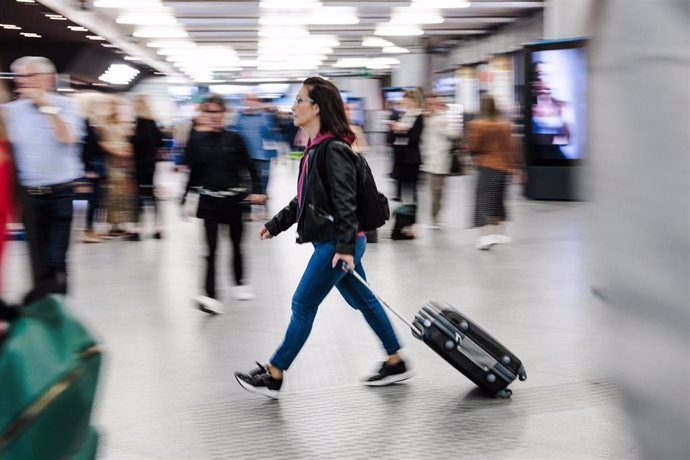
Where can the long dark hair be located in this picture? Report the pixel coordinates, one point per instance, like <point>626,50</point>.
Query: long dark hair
<point>331,108</point>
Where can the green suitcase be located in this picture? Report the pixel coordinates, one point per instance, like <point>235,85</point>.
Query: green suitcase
<point>49,365</point>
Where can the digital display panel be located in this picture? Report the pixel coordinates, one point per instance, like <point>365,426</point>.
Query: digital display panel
<point>556,106</point>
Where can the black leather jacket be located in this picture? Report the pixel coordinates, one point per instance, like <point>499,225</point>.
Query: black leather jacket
<point>329,199</point>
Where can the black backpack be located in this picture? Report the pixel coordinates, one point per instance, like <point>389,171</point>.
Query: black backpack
<point>372,206</point>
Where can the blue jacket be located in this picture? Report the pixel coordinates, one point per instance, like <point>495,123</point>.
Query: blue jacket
<point>257,129</point>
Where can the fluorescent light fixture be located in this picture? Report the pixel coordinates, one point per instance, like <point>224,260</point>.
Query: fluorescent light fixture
<point>263,57</point>
<point>108,45</point>
<point>56,17</point>
<point>292,4</point>
<point>308,41</point>
<point>283,32</point>
<point>171,44</point>
<point>327,15</point>
<point>127,4</point>
<point>119,74</point>
<point>29,35</point>
<point>157,18</point>
<point>160,32</point>
<point>392,30</point>
<point>248,63</point>
<point>416,16</point>
<point>443,4</point>
<point>10,27</point>
<point>376,42</point>
<point>77,29</point>
<point>288,65</point>
<point>385,61</point>
<point>26,1</point>
<point>395,50</point>
<point>133,58</point>
<point>95,37</point>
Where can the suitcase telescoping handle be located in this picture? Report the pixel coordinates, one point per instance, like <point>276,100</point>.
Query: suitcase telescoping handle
<point>352,272</point>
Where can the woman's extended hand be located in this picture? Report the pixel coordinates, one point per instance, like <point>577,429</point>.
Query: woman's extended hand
<point>264,234</point>
<point>256,198</point>
<point>349,259</point>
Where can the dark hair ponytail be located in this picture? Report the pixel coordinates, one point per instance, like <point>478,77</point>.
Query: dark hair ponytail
<point>331,108</point>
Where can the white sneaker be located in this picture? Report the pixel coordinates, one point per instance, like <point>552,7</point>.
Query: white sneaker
<point>209,305</point>
<point>502,239</point>
<point>243,292</point>
<point>485,242</point>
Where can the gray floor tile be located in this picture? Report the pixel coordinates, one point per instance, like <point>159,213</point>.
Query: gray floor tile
<point>168,390</point>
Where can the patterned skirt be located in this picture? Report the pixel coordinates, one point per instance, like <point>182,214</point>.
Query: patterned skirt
<point>489,207</point>
<point>121,196</point>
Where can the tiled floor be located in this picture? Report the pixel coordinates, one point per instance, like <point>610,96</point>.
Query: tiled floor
<point>167,388</point>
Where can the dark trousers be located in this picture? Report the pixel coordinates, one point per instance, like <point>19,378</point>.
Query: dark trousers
<point>264,168</point>
<point>235,234</point>
<point>48,224</point>
<point>146,192</point>
<point>95,201</point>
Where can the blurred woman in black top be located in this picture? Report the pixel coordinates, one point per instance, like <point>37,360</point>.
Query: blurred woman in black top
<point>146,141</point>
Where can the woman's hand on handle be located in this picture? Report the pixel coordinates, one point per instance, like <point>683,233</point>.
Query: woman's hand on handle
<point>349,259</point>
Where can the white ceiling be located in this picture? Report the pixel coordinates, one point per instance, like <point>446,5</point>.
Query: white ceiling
<point>235,24</point>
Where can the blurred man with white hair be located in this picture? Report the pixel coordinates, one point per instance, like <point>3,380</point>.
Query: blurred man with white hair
<point>45,130</point>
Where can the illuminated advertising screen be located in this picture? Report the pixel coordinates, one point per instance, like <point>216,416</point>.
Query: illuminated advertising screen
<point>556,110</point>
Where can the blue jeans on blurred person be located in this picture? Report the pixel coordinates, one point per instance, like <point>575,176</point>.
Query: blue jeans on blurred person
<point>317,281</point>
<point>264,168</point>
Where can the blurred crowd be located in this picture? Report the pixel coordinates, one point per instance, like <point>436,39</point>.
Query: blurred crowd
<point>106,148</point>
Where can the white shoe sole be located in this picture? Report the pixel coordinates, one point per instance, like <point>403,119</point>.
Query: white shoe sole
<point>390,380</point>
<point>209,305</point>
<point>273,394</point>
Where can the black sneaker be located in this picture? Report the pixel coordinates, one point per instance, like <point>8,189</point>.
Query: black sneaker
<point>389,374</point>
<point>260,381</point>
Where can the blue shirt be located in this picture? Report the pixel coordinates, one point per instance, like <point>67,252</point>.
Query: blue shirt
<point>256,128</point>
<point>40,158</point>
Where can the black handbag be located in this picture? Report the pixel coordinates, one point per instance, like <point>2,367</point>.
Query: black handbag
<point>456,166</point>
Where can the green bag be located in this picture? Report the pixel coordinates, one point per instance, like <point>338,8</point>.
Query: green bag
<point>49,365</point>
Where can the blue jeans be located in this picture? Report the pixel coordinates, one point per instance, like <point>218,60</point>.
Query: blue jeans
<point>317,281</point>
<point>264,169</point>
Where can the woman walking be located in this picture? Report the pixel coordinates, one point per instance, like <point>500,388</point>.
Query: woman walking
<point>324,210</point>
<point>146,141</point>
<point>494,154</point>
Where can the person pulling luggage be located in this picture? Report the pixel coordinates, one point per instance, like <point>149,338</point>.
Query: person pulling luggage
<point>324,210</point>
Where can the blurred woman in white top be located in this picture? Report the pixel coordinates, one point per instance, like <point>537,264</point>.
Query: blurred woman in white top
<point>435,147</point>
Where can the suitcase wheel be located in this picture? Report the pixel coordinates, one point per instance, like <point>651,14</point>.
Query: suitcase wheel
<point>491,378</point>
<point>505,393</point>
<point>522,374</point>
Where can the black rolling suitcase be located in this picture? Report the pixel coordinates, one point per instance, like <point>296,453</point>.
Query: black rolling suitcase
<point>465,345</point>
